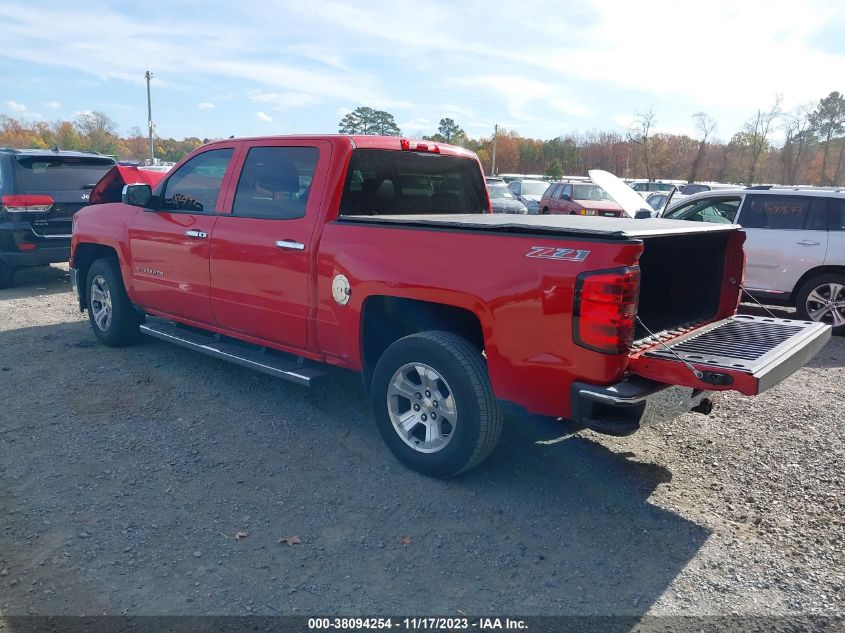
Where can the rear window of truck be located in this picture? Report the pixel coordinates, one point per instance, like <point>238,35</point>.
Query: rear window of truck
<point>61,173</point>
<point>386,182</point>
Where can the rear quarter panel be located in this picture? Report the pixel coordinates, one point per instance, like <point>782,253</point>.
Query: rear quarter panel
<point>524,305</point>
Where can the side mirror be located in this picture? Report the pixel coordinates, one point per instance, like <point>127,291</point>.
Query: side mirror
<point>137,195</point>
<point>566,197</point>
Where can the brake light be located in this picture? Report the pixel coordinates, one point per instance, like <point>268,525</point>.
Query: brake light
<point>27,204</point>
<point>605,309</point>
<point>419,146</point>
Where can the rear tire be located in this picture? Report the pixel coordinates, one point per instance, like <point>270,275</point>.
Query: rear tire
<point>113,318</point>
<point>435,376</point>
<point>822,298</point>
<point>7,275</point>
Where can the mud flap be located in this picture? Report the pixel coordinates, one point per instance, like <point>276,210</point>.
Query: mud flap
<point>743,353</point>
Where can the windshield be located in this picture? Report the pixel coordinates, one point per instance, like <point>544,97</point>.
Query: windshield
<point>589,192</point>
<point>388,182</point>
<point>533,188</point>
<point>61,173</point>
<point>499,192</point>
<point>721,211</point>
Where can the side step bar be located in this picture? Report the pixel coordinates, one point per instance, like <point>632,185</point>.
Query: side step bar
<point>258,358</point>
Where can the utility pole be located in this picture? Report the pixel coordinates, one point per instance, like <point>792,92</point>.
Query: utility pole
<point>495,134</point>
<point>148,75</point>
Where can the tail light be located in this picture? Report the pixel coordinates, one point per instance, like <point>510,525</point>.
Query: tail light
<point>605,309</point>
<point>27,204</point>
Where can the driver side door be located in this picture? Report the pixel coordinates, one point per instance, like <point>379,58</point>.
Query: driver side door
<point>169,243</point>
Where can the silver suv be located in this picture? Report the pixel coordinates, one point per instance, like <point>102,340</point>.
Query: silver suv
<point>795,245</point>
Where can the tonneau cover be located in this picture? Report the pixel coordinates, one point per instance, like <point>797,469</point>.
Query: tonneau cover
<point>610,228</point>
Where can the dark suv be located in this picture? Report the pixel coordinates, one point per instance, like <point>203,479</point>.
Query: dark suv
<point>40,190</point>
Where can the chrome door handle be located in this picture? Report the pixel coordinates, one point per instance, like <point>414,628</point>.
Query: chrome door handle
<point>808,243</point>
<point>290,245</point>
<point>200,235</point>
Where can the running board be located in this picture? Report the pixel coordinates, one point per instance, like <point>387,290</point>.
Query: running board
<point>259,358</point>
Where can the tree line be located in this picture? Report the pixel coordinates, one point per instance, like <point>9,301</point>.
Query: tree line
<point>812,151</point>
<point>92,132</point>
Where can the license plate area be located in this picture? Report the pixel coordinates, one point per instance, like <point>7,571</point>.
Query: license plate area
<point>743,353</point>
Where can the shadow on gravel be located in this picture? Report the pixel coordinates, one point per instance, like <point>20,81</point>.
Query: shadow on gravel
<point>127,474</point>
<point>38,280</point>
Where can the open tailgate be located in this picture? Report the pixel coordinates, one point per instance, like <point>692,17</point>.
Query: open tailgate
<point>743,353</point>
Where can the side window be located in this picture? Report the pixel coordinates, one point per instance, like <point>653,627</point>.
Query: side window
<point>514,187</point>
<point>552,191</point>
<point>567,191</point>
<point>781,212</point>
<point>196,185</point>
<point>275,182</point>
<point>837,214</point>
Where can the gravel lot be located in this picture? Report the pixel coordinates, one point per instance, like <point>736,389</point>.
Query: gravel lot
<point>153,480</point>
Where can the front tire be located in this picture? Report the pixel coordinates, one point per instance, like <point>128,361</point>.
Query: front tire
<point>822,299</point>
<point>434,405</point>
<point>113,318</point>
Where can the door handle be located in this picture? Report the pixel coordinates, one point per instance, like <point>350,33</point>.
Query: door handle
<point>200,235</point>
<point>290,245</point>
<point>808,243</point>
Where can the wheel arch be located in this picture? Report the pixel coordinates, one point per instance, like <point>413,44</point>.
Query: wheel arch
<point>86,254</point>
<point>813,272</point>
<point>385,319</point>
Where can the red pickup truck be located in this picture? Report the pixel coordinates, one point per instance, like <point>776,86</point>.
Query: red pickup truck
<point>380,255</point>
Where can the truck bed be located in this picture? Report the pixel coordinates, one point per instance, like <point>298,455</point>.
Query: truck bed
<point>562,225</point>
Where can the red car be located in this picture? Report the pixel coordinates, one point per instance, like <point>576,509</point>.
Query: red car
<point>579,198</point>
<point>380,255</point>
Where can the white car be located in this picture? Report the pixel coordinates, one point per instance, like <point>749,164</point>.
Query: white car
<point>795,244</point>
<point>646,187</point>
<point>529,192</point>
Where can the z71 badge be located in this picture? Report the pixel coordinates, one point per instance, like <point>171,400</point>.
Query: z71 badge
<point>562,254</point>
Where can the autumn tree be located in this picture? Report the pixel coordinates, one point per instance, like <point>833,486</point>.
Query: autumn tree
<point>640,134</point>
<point>364,120</point>
<point>755,134</point>
<point>829,122</point>
<point>99,130</point>
<point>799,137</point>
<point>705,125</point>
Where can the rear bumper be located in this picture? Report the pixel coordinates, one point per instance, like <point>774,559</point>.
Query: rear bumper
<point>628,405</point>
<point>41,256</point>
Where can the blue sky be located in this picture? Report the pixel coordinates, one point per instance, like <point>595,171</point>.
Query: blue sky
<point>541,68</point>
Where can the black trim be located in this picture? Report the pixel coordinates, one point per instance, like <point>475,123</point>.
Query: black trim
<point>581,237</point>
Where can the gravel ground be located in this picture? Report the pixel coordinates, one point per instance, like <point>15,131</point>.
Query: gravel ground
<point>153,480</point>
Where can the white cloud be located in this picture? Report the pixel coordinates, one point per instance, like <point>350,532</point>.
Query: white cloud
<point>16,107</point>
<point>263,116</point>
<point>54,105</point>
<point>205,105</point>
<point>284,100</point>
